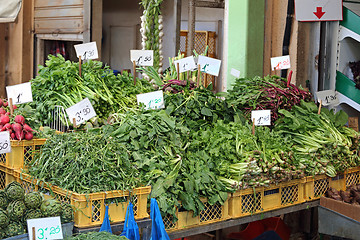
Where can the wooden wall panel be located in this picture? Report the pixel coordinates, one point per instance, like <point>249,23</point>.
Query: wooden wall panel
<point>59,16</point>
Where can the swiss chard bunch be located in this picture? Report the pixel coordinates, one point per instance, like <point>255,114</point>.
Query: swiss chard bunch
<point>268,93</point>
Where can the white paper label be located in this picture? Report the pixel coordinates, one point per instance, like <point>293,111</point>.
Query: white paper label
<point>45,228</point>
<point>152,100</point>
<point>327,97</point>
<point>20,93</point>
<point>282,62</point>
<point>235,73</point>
<point>5,144</point>
<point>262,117</point>
<point>82,111</point>
<point>186,64</point>
<point>143,58</point>
<point>87,51</point>
<point>318,10</point>
<point>209,65</point>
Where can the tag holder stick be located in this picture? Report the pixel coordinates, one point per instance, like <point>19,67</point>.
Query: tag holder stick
<point>198,75</point>
<point>319,111</point>
<point>253,127</point>
<point>33,233</point>
<point>134,71</point>
<point>74,123</point>
<point>11,106</point>
<point>178,70</point>
<point>80,62</point>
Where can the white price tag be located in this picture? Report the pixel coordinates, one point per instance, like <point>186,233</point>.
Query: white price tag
<point>235,73</point>
<point>20,93</point>
<point>186,64</point>
<point>262,117</point>
<point>327,97</point>
<point>143,58</point>
<point>209,65</point>
<point>87,50</point>
<point>45,228</point>
<point>5,144</point>
<point>152,100</point>
<point>282,62</point>
<point>82,111</point>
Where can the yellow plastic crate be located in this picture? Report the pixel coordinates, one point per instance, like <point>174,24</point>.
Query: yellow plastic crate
<point>352,176</point>
<point>6,176</point>
<point>90,208</point>
<point>211,214</point>
<point>316,186</point>
<point>21,154</point>
<point>256,200</point>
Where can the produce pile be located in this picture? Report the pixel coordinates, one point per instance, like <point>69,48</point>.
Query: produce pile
<point>201,145</point>
<point>59,84</point>
<point>16,207</point>
<point>351,195</point>
<point>96,236</point>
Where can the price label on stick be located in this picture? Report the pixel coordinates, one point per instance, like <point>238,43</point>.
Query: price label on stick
<point>262,117</point>
<point>144,58</point>
<point>152,100</point>
<point>20,93</point>
<point>45,228</point>
<point>209,65</point>
<point>87,50</point>
<point>186,64</point>
<point>282,62</point>
<point>5,144</point>
<point>327,97</point>
<point>82,111</point>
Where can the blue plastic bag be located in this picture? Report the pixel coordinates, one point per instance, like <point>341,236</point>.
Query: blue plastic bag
<point>105,226</point>
<point>158,228</point>
<point>131,229</point>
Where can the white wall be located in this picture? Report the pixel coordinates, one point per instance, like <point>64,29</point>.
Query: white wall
<point>116,14</point>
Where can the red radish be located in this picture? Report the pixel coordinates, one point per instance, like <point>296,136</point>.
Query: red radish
<point>16,127</point>
<point>29,136</point>
<point>27,128</point>
<point>1,127</point>
<point>19,135</point>
<point>2,111</point>
<point>4,119</point>
<point>12,135</point>
<point>14,107</point>
<point>19,119</point>
<point>6,127</point>
<point>5,104</point>
<point>7,113</point>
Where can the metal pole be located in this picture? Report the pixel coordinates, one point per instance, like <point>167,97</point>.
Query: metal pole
<point>191,27</point>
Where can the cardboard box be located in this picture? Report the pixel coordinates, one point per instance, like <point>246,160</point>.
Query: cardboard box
<point>349,210</point>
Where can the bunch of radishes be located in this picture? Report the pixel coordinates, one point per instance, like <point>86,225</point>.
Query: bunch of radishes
<point>17,127</point>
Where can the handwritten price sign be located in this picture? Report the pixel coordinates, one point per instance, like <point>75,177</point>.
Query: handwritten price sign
<point>327,97</point>
<point>20,93</point>
<point>186,64</point>
<point>87,51</point>
<point>262,117</point>
<point>282,62</point>
<point>152,100</point>
<point>5,145</point>
<point>209,65</point>
<point>45,228</point>
<point>82,111</point>
<point>144,58</point>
